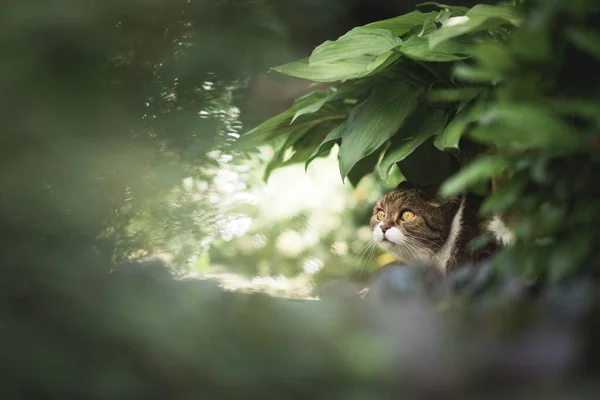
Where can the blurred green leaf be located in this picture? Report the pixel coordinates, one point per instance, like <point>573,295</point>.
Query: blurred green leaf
<point>493,56</point>
<point>480,170</point>
<point>402,24</point>
<point>453,95</point>
<point>418,48</point>
<point>523,127</point>
<point>477,74</point>
<point>533,44</point>
<point>354,44</point>
<point>506,196</point>
<point>419,128</point>
<point>383,113</point>
<point>586,40</point>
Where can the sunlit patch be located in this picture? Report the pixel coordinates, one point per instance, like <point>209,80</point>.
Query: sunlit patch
<point>340,248</point>
<point>290,243</point>
<point>311,266</point>
<point>259,241</point>
<point>457,20</point>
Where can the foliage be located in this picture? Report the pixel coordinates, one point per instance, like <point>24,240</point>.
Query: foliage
<point>466,96</point>
<point>109,106</point>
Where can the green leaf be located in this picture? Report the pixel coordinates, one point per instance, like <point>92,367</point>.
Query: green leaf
<point>506,196</point>
<point>477,74</point>
<point>339,70</point>
<point>330,140</point>
<point>375,120</point>
<point>419,128</point>
<point>366,165</point>
<point>418,48</point>
<point>450,137</point>
<point>455,9</point>
<point>402,24</point>
<point>278,158</point>
<point>493,56</point>
<point>428,26</point>
<point>521,126</point>
<point>309,143</point>
<point>354,44</point>
<point>505,12</point>
<point>585,40</point>
<point>589,109</point>
<point>453,95</point>
<point>426,165</point>
<point>276,126</point>
<point>335,94</point>
<point>480,170</point>
<point>482,17</point>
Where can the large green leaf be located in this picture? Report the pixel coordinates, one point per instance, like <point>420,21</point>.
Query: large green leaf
<point>520,126</point>
<point>479,18</point>
<point>354,44</point>
<point>480,170</point>
<point>335,94</point>
<point>278,158</point>
<point>375,120</point>
<point>419,128</point>
<point>418,48</point>
<point>277,126</point>
<point>404,23</point>
<point>450,137</point>
<point>366,165</point>
<point>330,140</point>
<point>426,165</point>
<point>354,68</point>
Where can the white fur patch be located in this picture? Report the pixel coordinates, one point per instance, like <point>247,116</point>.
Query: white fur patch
<point>445,252</point>
<point>396,243</point>
<point>502,233</point>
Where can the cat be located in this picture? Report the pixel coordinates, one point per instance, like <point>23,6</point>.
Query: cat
<point>417,226</point>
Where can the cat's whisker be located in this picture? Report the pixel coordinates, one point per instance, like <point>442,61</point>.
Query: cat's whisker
<point>367,246</point>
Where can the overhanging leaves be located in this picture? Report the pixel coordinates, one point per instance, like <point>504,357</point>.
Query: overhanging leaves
<point>418,48</point>
<point>375,120</point>
<point>403,24</point>
<point>330,140</point>
<point>419,128</point>
<point>340,70</point>
<point>354,44</point>
<point>277,125</point>
<point>480,18</point>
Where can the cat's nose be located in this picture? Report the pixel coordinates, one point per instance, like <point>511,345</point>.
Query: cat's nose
<point>384,227</point>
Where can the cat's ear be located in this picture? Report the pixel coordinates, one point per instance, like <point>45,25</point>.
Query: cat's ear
<point>404,185</point>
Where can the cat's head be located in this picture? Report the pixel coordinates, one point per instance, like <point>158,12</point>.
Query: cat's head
<point>413,223</point>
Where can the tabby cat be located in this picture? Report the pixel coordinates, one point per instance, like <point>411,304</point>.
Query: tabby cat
<point>416,225</point>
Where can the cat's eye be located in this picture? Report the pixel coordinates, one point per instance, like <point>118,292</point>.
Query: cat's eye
<point>380,215</point>
<point>407,215</point>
